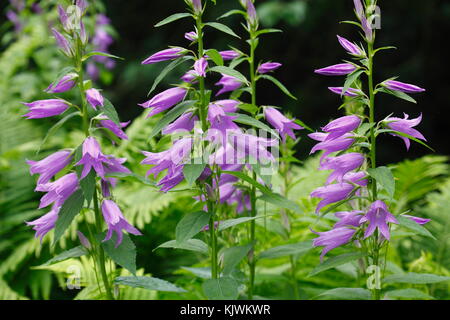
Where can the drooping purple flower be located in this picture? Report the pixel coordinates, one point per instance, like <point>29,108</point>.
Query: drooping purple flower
<point>331,193</point>
<point>228,84</point>
<point>221,124</point>
<point>268,67</point>
<point>44,224</point>
<point>116,222</point>
<point>58,191</point>
<point>341,126</point>
<point>251,12</point>
<point>418,220</point>
<point>359,178</point>
<point>348,219</point>
<point>342,165</point>
<point>405,125</point>
<point>378,216</point>
<point>164,100</point>
<point>332,239</point>
<point>333,145</point>
<point>200,67</point>
<point>403,87</point>
<point>351,92</point>
<point>48,167</point>
<point>64,84</point>
<point>253,146</point>
<point>185,123</point>
<point>281,123</point>
<point>337,70</point>
<point>173,178</point>
<point>350,47</point>
<point>164,55</point>
<point>191,36</point>
<point>229,54</point>
<point>45,108</point>
<point>62,42</point>
<point>112,165</point>
<point>92,158</point>
<point>94,98</point>
<point>227,105</point>
<point>190,77</point>
<point>114,128</point>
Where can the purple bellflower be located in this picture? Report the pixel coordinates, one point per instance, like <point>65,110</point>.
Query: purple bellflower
<point>58,191</point>
<point>164,100</point>
<point>342,165</point>
<point>48,167</point>
<point>200,67</point>
<point>114,128</point>
<point>331,193</point>
<point>351,92</point>
<point>284,125</point>
<point>64,84</point>
<point>403,87</point>
<point>229,54</point>
<point>45,223</point>
<point>45,108</point>
<point>350,47</point>
<point>94,98</point>
<point>185,123</point>
<point>268,67</point>
<point>63,43</point>
<point>164,55</point>
<point>341,126</point>
<point>378,216</point>
<point>337,70</point>
<point>332,239</point>
<point>228,84</point>
<point>227,105</point>
<point>405,125</point>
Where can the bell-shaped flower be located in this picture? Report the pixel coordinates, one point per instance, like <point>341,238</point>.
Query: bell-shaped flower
<point>341,126</point>
<point>63,43</point>
<point>200,67</point>
<point>94,98</point>
<point>405,125</point>
<point>417,220</point>
<point>332,239</point>
<point>185,123</point>
<point>268,67</point>
<point>64,84</point>
<point>164,55</point>
<point>191,36</point>
<point>221,123</point>
<point>48,167</point>
<point>284,125</point>
<point>229,54</point>
<point>45,223</point>
<point>248,145</point>
<point>330,146</point>
<point>173,178</point>
<point>378,217</point>
<point>58,191</point>
<point>114,128</point>
<point>348,219</point>
<point>251,12</point>
<point>342,165</point>
<point>190,77</point>
<point>197,6</point>
<point>45,108</point>
<point>332,193</point>
<point>401,86</point>
<point>337,70</point>
<point>228,84</point>
<point>164,100</point>
<point>116,222</point>
<point>228,105</point>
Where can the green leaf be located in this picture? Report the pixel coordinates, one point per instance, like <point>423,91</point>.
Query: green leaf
<point>251,121</point>
<point>223,28</point>
<point>232,12</point>
<point>191,245</point>
<point>383,48</point>
<point>225,288</point>
<point>265,31</point>
<point>398,94</point>
<point>335,262</point>
<point>279,85</point>
<point>249,180</point>
<point>167,70</point>
<point>280,201</point>
<point>346,294</point>
<point>170,116</point>
<point>192,171</point>
<point>71,207</point>
<point>148,283</point>
<point>68,254</point>
<point>109,111</point>
<point>55,128</point>
<point>124,255</point>
<point>351,78</point>
<point>414,226</point>
<point>250,108</point>
<point>286,250</point>
<point>230,72</point>
<point>103,54</point>
<point>415,278</point>
<point>215,56</point>
<point>232,256</point>
<point>234,222</point>
<point>408,294</point>
<point>202,272</point>
<point>190,225</point>
<point>172,18</point>
<point>87,184</point>
<point>384,177</point>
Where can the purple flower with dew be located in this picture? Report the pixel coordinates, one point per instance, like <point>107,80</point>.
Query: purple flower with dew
<point>190,77</point>
<point>251,12</point>
<point>341,126</point>
<point>62,42</point>
<point>228,84</point>
<point>418,220</point>
<point>342,165</point>
<point>229,55</point>
<point>348,219</point>
<point>268,67</point>
<point>185,123</point>
<point>200,67</point>
<point>350,47</point>
<point>378,217</point>
<point>83,240</point>
<point>45,108</point>
<point>164,55</point>
<point>228,105</point>
<point>351,92</point>
<point>405,126</point>
<point>334,145</point>
<point>332,193</point>
<point>64,84</point>
<point>191,36</point>
<point>332,239</point>
<point>58,191</point>
<point>337,70</point>
<point>114,128</point>
<point>403,87</point>
<point>94,98</point>
<point>46,223</point>
<point>164,100</point>
<point>48,167</point>
<point>116,222</point>
<point>284,125</point>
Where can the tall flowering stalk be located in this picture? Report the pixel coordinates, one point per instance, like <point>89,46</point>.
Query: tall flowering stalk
<point>356,179</point>
<point>86,182</point>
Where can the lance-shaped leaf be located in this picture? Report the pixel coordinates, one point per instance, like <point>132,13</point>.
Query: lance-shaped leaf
<point>398,94</point>
<point>191,245</point>
<point>336,262</point>
<point>225,288</point>
<point>384,177</point>
<point>171,66</point>
<point>124,255</point>
<point>71,207</point>
<point>190,225</point>
<point>215,56</point>
<point>287,250</point>
<point>102,54</point>
<point>192,171</point>
<point>279,85</point>
<point>415,278</point>
<point>172,18</point>
<point>223,28</point>
<point>108,110</point>
<point>230,72</point>
<point>232,256</point>
<point>68,254</point>
<point>148,283</point>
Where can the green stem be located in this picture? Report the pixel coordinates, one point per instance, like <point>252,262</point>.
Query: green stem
<point>202,106</point>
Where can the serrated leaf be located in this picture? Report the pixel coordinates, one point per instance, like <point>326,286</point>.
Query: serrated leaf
<point>336,261</point>
<point>68,254</point>
<point>191,245</point>
<point>232,256</point>
<point>71,207</point>
<point>230,72</point>
<point>415,278</point>
<point>279,85</point>
<point>190,225</point>
<point>346,294</point>
<point>286,250</point>
<point>384,177</point>
<point>225,288</point>
<point>124,255</point>
<point>148,283</point>
<point>408,294</point>
<point>192,171</point>
<point>172,18</point>
<point>414,226</point>
<point>108,110</point>
<point>223,28</point>
<point>87,185</point>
